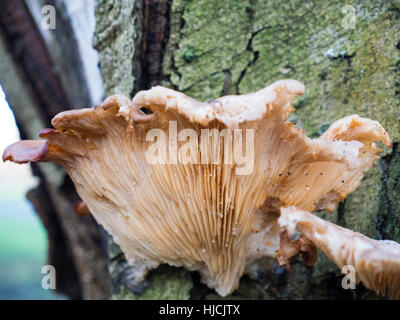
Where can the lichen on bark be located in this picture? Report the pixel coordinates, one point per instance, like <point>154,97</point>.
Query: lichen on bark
<point>165,283</point>
<point>117,39</point>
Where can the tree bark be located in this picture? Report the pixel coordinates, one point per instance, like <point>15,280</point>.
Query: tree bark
<point>39,82</point>
<point>211,48</point>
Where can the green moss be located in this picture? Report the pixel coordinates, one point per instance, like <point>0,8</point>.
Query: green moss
<point>248,289</point>
<point>189,54</point>
<point>346,71</point>
<point>218,33</point>
<point>362,206</point>
<point>166,283</point>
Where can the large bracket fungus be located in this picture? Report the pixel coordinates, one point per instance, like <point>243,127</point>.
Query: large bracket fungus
<point>218,216</point>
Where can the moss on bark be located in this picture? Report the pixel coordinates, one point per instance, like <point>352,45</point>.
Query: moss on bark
<point>165,283</point>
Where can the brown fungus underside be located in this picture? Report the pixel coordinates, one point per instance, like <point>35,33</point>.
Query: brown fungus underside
<point>209,217</point>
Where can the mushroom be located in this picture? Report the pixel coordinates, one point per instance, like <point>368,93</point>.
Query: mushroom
<point>154,173</point>
<point>376,262</point>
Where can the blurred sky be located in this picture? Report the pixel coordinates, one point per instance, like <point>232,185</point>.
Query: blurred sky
<point>23,239</point>
<point>15,177</point>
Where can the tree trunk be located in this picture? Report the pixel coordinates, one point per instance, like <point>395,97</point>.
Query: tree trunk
<point>40,80</point>
<point>211,48</point>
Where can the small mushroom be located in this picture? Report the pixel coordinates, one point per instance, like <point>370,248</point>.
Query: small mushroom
<point>377,262</point>
<point>215,216</point>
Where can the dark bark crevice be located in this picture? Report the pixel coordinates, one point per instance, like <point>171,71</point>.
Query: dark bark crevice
<point>387,218</point>
<point>155,27</point>
<point>253,61</point>
<point>172,64</point>
<point>341,212</point>
<point>227,83</point>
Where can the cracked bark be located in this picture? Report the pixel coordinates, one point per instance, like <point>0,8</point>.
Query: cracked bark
<point>154,37</point>
<point>255,54</point>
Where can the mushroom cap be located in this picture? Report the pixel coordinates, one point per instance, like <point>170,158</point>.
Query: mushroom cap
<point>376,262</point>
<point>214,216</point>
